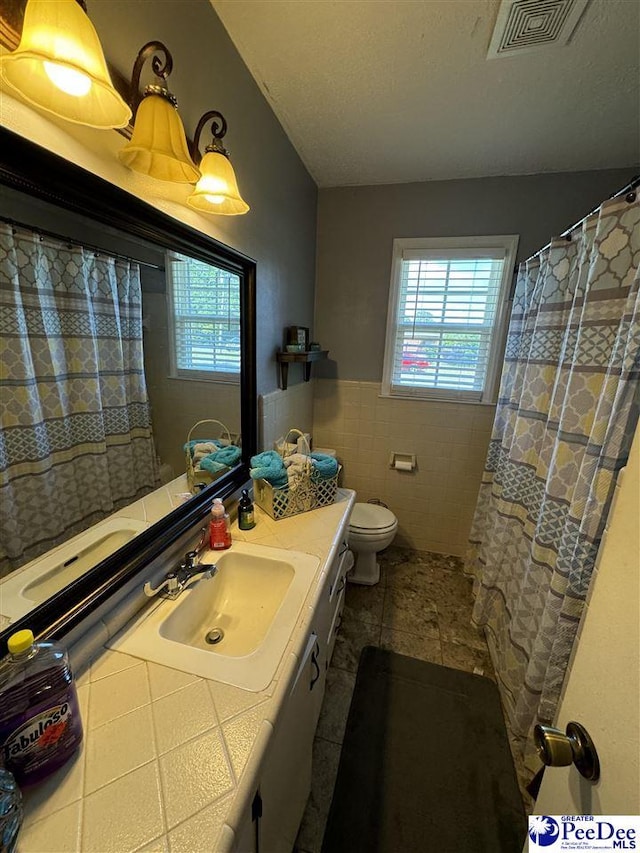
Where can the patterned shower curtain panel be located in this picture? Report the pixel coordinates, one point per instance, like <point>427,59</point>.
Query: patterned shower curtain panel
<point>76,441</point>
<point>566,415</point>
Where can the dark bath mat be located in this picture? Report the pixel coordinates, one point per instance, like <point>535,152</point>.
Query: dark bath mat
<point>425,764</point>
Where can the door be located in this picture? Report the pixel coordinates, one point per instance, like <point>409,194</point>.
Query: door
<point>603,687</point>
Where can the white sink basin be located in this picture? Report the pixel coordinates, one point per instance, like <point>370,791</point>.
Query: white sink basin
<point>253,601</point>
<point>48,574</point>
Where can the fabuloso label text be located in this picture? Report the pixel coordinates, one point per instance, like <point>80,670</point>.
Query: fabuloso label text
<point>39,732</point>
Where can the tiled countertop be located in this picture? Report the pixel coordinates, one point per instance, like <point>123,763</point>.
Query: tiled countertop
<point>170,760</point>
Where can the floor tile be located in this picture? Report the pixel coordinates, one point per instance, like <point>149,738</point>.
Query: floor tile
<point>423,648</point>
<point>335,707</point>
<point>352,638</point>
<point>467,658</point>
<point>426,613</point>
<point>326,757</point>
<point>455,626</point>
<point>406,609</point>
<point>364,603</point>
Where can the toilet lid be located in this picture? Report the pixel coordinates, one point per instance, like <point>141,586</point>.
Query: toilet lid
<point>371,517</point>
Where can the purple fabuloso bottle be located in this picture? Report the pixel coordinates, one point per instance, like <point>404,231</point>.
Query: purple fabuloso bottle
<point>40,725</point>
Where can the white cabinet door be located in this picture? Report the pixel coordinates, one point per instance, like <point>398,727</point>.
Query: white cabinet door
<point>246,838</point>
<point>326,621</point>
<point>286,779</point>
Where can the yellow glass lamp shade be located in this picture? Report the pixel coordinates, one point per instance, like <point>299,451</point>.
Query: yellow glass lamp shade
<point>217,190</point>
<point>158,147</point>
<point>59,66</point>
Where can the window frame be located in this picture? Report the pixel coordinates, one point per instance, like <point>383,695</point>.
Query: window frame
<point>175,372</point>
<point>507,242</point>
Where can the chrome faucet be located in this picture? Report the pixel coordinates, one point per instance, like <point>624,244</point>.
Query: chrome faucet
<point>188,572</point>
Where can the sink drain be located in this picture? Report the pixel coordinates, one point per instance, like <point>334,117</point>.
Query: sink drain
<point>214,636</point>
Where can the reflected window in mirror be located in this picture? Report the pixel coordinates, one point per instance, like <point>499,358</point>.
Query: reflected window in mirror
<point>204,316</point>
<point>76,207</point>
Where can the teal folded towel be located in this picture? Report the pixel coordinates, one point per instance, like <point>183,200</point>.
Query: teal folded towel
<point>325,466</point>
<point>223,458</point>
<point>270,467</point>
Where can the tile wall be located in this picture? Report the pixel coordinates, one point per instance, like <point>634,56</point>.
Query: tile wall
<point>280,410</point>
<point>435,503</point>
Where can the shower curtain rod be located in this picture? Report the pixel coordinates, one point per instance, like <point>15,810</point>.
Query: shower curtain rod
<point>629,188</point>
<point>100,251</point>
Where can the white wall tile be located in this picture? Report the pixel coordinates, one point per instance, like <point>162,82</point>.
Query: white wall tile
<point>450,441</point>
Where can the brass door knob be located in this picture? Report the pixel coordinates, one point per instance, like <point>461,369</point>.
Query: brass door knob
<point>558,749</point>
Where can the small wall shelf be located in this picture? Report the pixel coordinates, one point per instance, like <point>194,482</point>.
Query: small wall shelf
<point>306,358</point>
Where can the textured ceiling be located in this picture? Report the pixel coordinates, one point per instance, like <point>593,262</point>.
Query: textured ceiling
<point>389,91</point>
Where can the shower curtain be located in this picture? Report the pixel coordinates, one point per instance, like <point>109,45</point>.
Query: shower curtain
<point>566,414</point>
<point>75,438</point>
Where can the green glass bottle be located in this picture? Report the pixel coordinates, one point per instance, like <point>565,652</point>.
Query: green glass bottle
<point>246,515</point>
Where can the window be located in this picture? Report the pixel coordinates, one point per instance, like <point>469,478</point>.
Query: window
<point>204,306</point>
<point>446,316</point>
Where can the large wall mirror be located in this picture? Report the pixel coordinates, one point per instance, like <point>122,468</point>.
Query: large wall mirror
<point>194,340</point>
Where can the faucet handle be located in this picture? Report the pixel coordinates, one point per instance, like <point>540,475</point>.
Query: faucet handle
<point>190,560</point>
<point>170,584</point>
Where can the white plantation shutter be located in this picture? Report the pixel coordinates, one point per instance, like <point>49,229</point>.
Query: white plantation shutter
<point>445,304</point>
<point>205,306</point>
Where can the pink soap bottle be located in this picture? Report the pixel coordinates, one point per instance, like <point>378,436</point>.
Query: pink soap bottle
<point>219,527</point>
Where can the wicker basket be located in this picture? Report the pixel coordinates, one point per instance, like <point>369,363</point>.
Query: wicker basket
<point>313,492</point>
<point>195,477</point>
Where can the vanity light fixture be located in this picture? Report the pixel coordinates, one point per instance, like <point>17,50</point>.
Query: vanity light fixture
<point>217,190</point>
<point>158,146</point>
<point>59,66</point>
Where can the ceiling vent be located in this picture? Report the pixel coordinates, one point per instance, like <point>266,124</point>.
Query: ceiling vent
<point>527,25</point>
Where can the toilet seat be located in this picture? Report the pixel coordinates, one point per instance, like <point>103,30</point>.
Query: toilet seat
<point>372,519</point>
<point>372,529</point>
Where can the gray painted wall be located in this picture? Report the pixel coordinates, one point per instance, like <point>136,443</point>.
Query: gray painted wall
<point>279,230</point>
<point>357,225</point>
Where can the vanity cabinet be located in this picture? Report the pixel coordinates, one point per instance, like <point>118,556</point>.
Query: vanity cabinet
<point>285,780</point>
<point>328,614</point>
<point>286,777</point>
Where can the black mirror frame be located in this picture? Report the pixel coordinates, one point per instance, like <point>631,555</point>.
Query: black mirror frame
<point>33,170</point>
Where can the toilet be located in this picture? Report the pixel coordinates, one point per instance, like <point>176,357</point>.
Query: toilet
<point>371,529</point>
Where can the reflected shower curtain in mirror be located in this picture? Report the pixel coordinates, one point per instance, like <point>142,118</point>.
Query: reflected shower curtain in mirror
<point>565,418</point>
<point>76,441</point>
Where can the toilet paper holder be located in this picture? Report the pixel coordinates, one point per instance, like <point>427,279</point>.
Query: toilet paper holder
<point>402,461</point>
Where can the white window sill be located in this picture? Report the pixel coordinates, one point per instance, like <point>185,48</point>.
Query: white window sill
<point>436,399</point>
